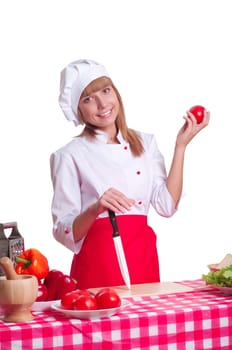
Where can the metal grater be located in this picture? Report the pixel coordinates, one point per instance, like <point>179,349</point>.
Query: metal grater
<point>14,244</point>
<point>4,245</point>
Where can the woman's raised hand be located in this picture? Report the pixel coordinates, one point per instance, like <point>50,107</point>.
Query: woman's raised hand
<point>191,128</point>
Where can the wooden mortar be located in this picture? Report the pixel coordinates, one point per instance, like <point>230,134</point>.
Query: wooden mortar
<point>17,293</point>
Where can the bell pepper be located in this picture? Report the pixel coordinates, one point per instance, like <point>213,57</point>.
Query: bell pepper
<point>52,282</point>
<point>67,284</point>
<point>42,292</point>
<point>58,284</point>
<point>32,262</point>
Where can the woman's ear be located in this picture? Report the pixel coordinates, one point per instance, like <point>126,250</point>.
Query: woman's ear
<point>80,115</point>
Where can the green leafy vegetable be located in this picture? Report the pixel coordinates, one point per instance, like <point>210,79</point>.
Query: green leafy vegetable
<point>221,278</point>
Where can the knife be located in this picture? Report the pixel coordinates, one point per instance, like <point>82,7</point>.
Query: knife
<point>119,249</point>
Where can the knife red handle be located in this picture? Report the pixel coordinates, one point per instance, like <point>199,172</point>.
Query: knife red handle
<point>113,223</point>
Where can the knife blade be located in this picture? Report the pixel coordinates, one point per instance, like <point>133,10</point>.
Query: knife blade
<point>119,249</point>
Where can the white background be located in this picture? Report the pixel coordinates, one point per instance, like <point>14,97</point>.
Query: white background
<point>164,57</point>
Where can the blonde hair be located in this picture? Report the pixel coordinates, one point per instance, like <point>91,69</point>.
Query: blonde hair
<point>130,135</point>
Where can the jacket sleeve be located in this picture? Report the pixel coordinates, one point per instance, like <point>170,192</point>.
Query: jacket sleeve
<point>161,199</point>
<point>66,202</point>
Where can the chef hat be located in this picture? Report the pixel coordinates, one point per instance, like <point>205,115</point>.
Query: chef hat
<point>73,80</point>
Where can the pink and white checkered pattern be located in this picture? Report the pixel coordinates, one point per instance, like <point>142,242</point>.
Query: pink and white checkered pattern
<point>196,320</point>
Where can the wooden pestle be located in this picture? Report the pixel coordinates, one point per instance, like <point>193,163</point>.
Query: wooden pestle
<point>8,268</point>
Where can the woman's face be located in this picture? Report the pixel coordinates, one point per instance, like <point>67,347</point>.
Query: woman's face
<point>100,108</point>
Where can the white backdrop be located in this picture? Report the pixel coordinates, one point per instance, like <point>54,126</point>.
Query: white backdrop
<point>164,57</point>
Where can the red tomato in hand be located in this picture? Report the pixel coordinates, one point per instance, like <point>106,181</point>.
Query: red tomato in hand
<point>85,302</point>
<point>68,299</point>
<point>198,112</point>
<point>107,298</point>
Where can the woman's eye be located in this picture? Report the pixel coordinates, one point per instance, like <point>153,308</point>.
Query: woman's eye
<point>87,99</point>
<point>106,90</point>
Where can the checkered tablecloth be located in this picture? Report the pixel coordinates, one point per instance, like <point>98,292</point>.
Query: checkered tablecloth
<point>199,319</point>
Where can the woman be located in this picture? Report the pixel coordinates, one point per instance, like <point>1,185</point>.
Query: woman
<point>109,166</point>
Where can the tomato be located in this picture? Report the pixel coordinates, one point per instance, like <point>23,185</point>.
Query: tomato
<point>42,292</point>
<point>107,298</point>
<point>198,112</point>
<point>69,298</point>
<point>85,302</point>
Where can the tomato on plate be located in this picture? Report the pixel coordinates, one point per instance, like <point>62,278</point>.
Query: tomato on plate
<point>85,302</point>
<point>68,299</point>
<point>198,112</point>
<point>107,298</point>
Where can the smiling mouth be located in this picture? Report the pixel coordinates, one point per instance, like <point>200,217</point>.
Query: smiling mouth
<point>105,115</point>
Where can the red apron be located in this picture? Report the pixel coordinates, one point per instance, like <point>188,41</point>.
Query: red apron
<point>96,264</point>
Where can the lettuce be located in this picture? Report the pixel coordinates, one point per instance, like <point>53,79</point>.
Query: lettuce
<point>221,278</point>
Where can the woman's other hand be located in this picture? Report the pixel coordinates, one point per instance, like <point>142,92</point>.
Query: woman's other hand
<point>114,200</point>
<point>191,128</point>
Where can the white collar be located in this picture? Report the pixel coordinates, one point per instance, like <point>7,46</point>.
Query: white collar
<point>102,136</point>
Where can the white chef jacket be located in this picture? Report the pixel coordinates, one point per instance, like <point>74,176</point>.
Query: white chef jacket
<point>84,169</point>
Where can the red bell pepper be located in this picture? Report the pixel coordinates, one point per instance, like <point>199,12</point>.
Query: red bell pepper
<point>52,282</point>
<point>58,284</point>
<point>42,292</point>
<point>32,262</point>
<point>67,284</point>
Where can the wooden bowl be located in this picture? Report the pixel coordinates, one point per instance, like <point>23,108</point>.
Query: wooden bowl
<point>213,267</point>
<point>17,297</point>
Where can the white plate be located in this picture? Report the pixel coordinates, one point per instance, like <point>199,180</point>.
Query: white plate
<point>88,314</point>
<point>42,305</point>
